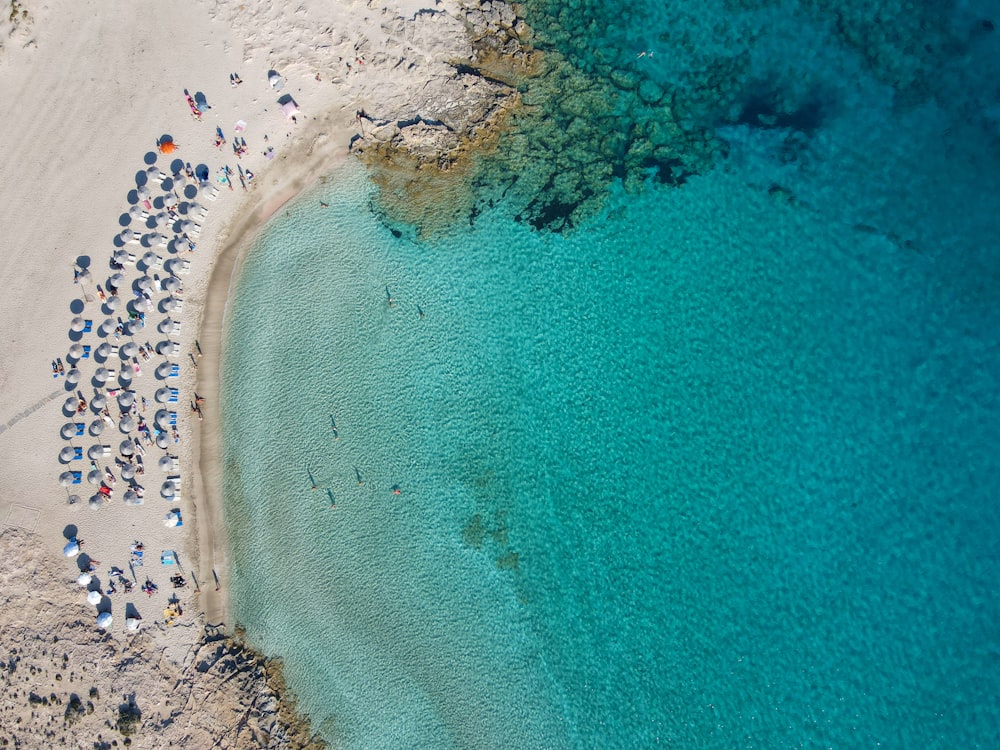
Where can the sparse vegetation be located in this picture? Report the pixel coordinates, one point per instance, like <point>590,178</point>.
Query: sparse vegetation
<point>129,718</point>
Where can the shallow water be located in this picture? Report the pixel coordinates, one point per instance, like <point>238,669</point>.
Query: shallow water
<point>716,469</point>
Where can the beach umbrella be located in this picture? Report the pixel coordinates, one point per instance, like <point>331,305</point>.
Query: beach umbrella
<point>77,324</point>
<point>71,403</point>
<point>166,463</point>
<point>127,448</point>
<point>167,490</point>
<point>162,395</point>
<point>170,520</point>
<point>154,173</point>
<point>151,259</point>
<point>159,239</point>
<point>143,305</point>
<point>73,501</point>
<point>66,479</point>
<point>104,620</point>
<point>98,402</point>
<point>188,227</point>
<point>162,441</point>
<point>166,348</point>
<point>128,471</point>
<point>96,427</point>
<point>116,280</point>
<point>162,419</point>
<point>126,236</point>
<point>73,376</point>
<point>145,283</point>
<point>95,476</point>
<point>125,377</point>
<point>112,303</point>
<point>166,326</point>
<point>76,351</point>
<point>132,623</point>
<point>179,178</point>
<point>68,430</point>
<point>171,284</point>
<point>129,350</point>
<point>163,369</point>
<point>94,597</point>
<point>161,220</point>
<point>101,374</point>
<point>137,212</point>
<point>72,548</point>
<point>104,350</point>
<point>84,579</point>
<point>170,200</point>
<point>167,147</point>
<point>169,303</point>
<point>126,399</point>
<point>83,275</point>
<point>133,327</point>
<point>67,454</point>
<point>120,256</point>
<point>143,193</point>
<point>132,498</point>
<point>95,452</point>
<point>196,208</point>
<point>96,502</point>
<point>109,325</point>
<point>127,424</point>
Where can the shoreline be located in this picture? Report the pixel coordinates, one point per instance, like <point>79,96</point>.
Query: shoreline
<point>287,182</point>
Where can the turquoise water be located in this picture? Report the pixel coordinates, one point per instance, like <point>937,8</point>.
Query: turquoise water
<point>715,469</point>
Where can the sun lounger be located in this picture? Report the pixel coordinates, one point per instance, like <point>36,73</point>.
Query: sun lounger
<point>105,450</point>
<point>173,418</point>
<point>86,348</point>
<point>130,260</point>
<point>77,453</point>
<point>77,476</point>
<point>174,396</point>
<point>80,428</point>
<point>175,371</point>
<point>114,352</point>
<point>88,326</point>
<point>112,374</point>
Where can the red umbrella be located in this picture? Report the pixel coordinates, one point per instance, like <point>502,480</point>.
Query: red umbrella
<point>167,147</point>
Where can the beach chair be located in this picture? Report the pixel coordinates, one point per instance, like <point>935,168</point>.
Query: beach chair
<point>105,450</point>
<point>179,306</point>
<point>212,192</point>
<point>175,371</point>
<point>173,419</point>
<point>80,428</point>
<point>176,327</point>
<point>174,396</point>
<point>130,260</point>
<point>112,374</point>
<point>135,238</point>
<point>183,267</point>
<point>114,352</point>
<point>77,453</point>
<point>88,326</point>
<point>86,347</point>
<point>168,557</point>
<point>77,477</point>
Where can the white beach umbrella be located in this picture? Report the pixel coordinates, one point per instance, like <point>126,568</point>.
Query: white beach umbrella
<point>98,402</point>
<point>68,430</point>
<point>113,303</point>
<point>94,598</point>
<point>132,623</point>
<point>73,501</point>
<point>72,549</point>
<point>71,403</point>
<point>196,209</point>
<point>125,377</point>
<point>188,227</point>
<point>75,351</point>
<point>101,374</point>
<point>159,239</point>
<point>143,193</point>
<point>116,280</point>
<point>170,200</point>
<point>166,348</point>
<point>152,260</point>
<point>73,376</point>
<point>128,471</point>
<point>163,369</point>
<point>127,447</point>
<point>66,454</point>
<point>162,419</point>
<point>154,173</point>
<point>66,479</point>
<point>109,325</point>
<point>137,212</point>
<point>96,427</point>
<point>144,282</point>
<point>104,350</point>
<point>96,502</point>
<point>126,425</point>
<point>95,476</point>
<point>171,284</point>
<point>162,395</point>
<point>83,275</point>
<point>168,490</point>
<point>77,324</point>
<point>129,350</point>
<point>161,220</point>
<point>104,620</point>
<point>166,326</point>
<point>166,463</point>
<point>126,399</point>
<point>143,305</point>
<point>162,441</point>
<point>126,236</point>
<point>133,327</point>
<point>132,498</point>
<point>170,520</point>
<point>120,256</point>
<point>84,579</point>
<point>95,452</point>
<point>179,178</point>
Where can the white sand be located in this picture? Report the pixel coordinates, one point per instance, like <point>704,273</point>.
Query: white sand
<point>88,89</point>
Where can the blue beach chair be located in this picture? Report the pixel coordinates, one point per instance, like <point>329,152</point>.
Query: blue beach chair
<point>86,349</point>
<point>77,477</point>
<point>77,453</point>
<point>88,326</point>
<point>80,428</point>
<point>175,371</point>
<point>173,396</point>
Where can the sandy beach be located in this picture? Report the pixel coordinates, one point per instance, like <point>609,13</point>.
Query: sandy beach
<point>93,91</point>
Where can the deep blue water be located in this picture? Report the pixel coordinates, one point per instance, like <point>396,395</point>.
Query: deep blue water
<point>715,468</point>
